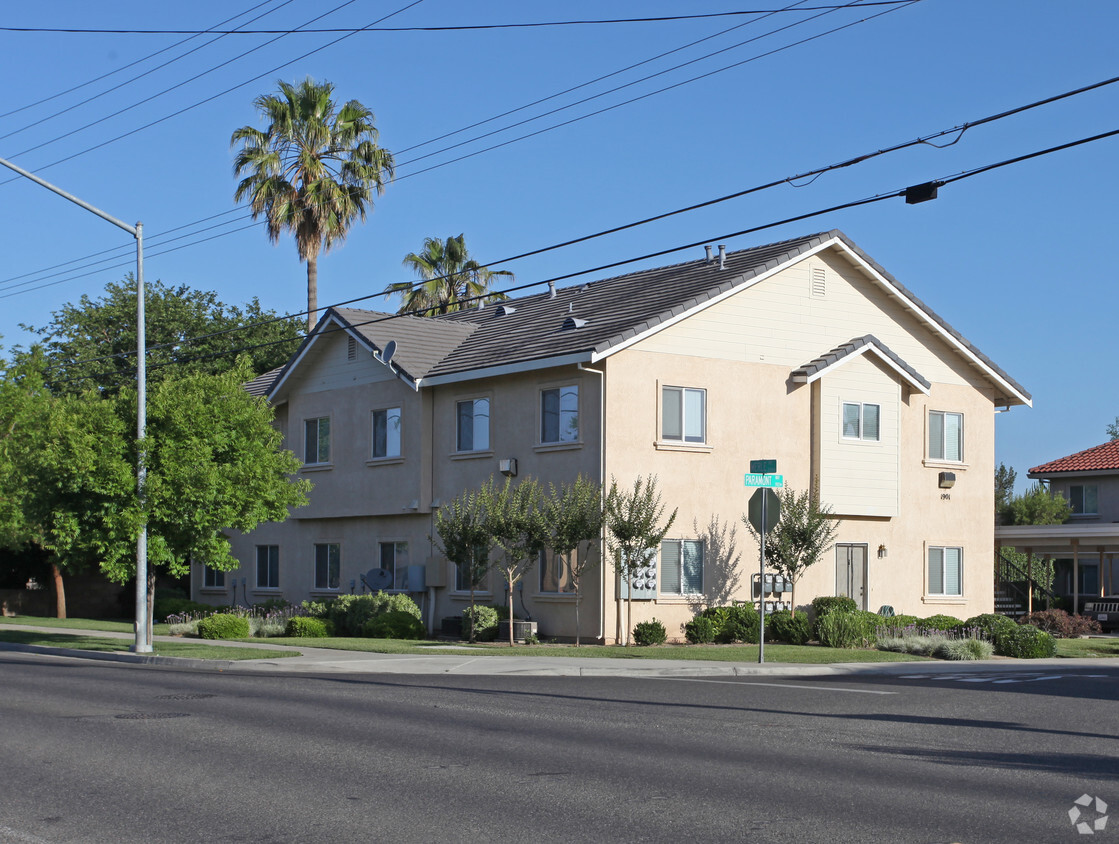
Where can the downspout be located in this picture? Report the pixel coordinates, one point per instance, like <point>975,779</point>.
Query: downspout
<point>430,509</point>
<point>602,480</point>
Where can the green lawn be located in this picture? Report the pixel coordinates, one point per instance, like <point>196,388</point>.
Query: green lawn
<point>82,624</point>
<point>1073,648</point>
<point>194,649</point>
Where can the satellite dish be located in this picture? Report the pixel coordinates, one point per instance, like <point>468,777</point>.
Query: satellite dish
<point>388,352</point>
<point>377,580</point>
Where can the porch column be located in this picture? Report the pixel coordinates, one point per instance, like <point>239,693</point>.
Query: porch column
<point>1048,558</point>
<point>1102,593</point>
<point>1075,575</point>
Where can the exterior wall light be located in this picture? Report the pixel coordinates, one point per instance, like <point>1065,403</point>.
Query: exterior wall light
<point>882,552</point>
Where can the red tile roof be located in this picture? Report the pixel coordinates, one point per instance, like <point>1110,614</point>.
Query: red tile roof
<point>1100,458</point>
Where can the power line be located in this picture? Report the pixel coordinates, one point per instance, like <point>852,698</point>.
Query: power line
<point>460,28</point>
<point>966,174</point>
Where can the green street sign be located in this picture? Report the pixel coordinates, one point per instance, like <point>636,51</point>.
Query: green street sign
<point>772,510</point>
<point>753,479</point>
<point>763,467</point>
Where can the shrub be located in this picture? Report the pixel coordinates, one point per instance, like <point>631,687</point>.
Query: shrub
<point>700,630</point>
<point>1061,625</point>
<point>349,613</point>
<point>783,626</point>
<point>843,630</point>
<point>742,625</point>
<point>164,606</point>
<point>318,609</point>
<point>265,627</point>
<point>483,620</point>
<point>909,641</point>
<point>308,627</point>
<point>825,604</point>
<point>940,622</point>
<point>991,624</point>
<point>394,624</point>
<point>224,626</point>
<point>897,622</point>
<point>650,632</point>
<point>964,649</point>
<point>1026,642</point>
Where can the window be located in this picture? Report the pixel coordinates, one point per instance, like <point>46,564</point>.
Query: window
<point>681,567</point>
<point>394,560</point>
<point>946,571</point>
<point>473,425</point>
<point>559,415</point>
<point>684,414</point>
<point>555,572</point>
<point>1083,499</point>
<point>946,436</point>
<point>327,565</point>
<point>860,421</point>
<point>462,580</point>
<point>268,567</point>
<point>212,578</point>
<point>316,440</point>
<point>386,432</point>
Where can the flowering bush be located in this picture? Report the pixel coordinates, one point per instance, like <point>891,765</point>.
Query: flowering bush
<point>1060,624</point>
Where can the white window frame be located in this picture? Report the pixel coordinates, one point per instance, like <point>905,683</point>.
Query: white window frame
<point>943,443</point>
<point>337,562</point>
<point>684,419</point>
<point>271,561</point>
<point>473,445</point>
<point>1084,488</point>
<point>943,575</point>
<point>399,572</point>
<point>392,445</point>
<point>679,575</point>
<point>861,435</point>
<point>319,458</point>
<point>562,436</point>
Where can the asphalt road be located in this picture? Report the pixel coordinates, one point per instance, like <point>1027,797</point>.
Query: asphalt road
<point>102,752</point>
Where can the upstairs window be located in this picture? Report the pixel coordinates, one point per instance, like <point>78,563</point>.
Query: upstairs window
<point>681,567</point>
<point>683,414</point>
<point>386,432</point>
<point>946,436</point>
<point>473,425</point>
<point>861,421</point>
<point>559,415</point>
<point>316,440</point>
<point>1083,498</point>
<point>394,560</point>
<point>268,567</point>
<point>328,565</point>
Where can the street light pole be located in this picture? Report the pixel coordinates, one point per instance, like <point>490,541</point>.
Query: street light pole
<point>143,632</point>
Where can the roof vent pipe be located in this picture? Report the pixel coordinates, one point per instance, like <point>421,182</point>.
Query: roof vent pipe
<point>551,290</point>
<point>571,307</point>
<point>710,257</point>
<point>722,256</point>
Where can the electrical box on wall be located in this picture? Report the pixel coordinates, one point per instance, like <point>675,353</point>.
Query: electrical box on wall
<point>947,480</point>
<point>435,572</point>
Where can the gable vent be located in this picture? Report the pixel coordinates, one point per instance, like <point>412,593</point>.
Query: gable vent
<point>351,348</point>
<point>573,322</point>
<point>502,310</point>
<point>818,283</point>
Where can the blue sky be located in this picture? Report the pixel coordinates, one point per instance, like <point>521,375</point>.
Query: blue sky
<point>1018,259</point>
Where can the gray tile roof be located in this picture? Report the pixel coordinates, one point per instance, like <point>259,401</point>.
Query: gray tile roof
<point>421,343</point>
<point>260,385</point>
<point>840,352</point>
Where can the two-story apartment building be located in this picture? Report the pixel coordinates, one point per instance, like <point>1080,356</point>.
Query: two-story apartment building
<point>804,351</point>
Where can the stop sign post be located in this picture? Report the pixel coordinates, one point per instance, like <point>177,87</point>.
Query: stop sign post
<point>763,512</point>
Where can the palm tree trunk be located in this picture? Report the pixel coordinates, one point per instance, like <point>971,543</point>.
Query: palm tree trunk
<point>59,591</point>
<point>312,292</point>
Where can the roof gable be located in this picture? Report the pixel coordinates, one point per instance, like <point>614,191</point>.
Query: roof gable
<point>841,355</point>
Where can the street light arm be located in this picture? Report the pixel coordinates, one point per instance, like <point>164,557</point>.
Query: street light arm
<point>132,230</point>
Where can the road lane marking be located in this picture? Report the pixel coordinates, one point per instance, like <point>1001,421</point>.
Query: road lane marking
<point>774,685</point>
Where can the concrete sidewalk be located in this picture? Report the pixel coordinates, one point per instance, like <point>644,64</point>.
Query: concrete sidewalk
<point>468,661</point>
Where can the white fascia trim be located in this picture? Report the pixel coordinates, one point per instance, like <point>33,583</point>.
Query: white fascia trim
<point>878,353</point>
<point>505,369</point>
<point>932,323</point>
<point>294,364</point>
<point>1081,473</point>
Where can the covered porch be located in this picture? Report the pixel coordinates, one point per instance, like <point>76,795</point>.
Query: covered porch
<point>1091,548</point>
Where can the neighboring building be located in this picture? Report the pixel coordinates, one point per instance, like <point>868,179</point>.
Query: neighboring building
<point>1084,549</point>
<point>805,351</point>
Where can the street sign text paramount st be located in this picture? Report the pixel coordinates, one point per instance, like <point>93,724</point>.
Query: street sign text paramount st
<point>753,479</point>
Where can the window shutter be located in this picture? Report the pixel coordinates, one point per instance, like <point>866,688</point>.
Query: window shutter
<point>936,571</point>
<point>670,567</point>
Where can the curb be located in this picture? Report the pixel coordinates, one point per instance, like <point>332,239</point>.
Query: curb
<point>134,659</point>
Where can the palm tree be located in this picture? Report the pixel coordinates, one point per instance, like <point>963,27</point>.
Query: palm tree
<point>451,279</point>
<point>312,171</point>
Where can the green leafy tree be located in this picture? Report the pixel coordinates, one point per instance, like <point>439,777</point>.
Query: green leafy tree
<point>515,520</point>
<point>93,343</point>
<point>312,172</point>
<point>450,279</point>
<point>1113,429</point>
<point>1005,478</point>
<point>573,512</point>
<point>635,526</point>
<point>465,540</point>
<point>805,530</point>
<point>1036,507</point>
